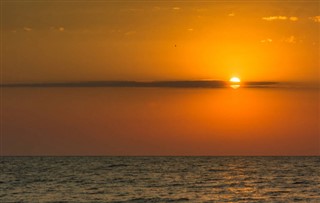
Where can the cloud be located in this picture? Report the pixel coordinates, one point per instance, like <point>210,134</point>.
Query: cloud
<point>293,18</point>
<point>131,32</point>
<point>273,18</point>
<point>315,19</point>
<point>132,10</point>
<point>60,29</point>
<point>282,17</point>
<point>190,29</point>
<point>176,8</point>
<point>157,84</point>
<point>201,9</point>
<point>292,39</point>
<point>231,14</point>
<point>27,29</point>
<point>115,31</point>
<point>268,40</point>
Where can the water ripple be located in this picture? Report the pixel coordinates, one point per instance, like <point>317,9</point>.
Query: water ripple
<point>160,179</point>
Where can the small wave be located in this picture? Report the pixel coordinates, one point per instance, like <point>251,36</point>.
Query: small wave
<point>176,184</point>
<point>216,170</point>
<point>137,200</point>
<point>93,188</point>
<point>117,165</point>
<point>276,193</point>
<point>160,180</point>
<point>300,182</point>
<point>95,192</point>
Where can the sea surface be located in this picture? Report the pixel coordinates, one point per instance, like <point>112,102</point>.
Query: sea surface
<point>160,121</point>
<point>160,179</point>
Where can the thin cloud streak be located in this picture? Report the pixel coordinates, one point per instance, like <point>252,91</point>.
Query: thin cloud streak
<point>292,39</point>
<point>315,19</point>
<point>283,18</point>
<point>27,29</point>
<point>152,84</point>
<point>266,40</point>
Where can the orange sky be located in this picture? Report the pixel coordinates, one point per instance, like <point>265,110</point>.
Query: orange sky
<point>74,41</point>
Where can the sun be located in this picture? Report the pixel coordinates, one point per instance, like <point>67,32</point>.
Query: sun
<point>234,80</point>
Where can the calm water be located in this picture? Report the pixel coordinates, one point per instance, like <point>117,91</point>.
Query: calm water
<point>160,121</point>
<point>160,179</point>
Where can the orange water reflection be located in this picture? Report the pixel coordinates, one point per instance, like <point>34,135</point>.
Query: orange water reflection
<point>234,86</point>
<point>155,121</point>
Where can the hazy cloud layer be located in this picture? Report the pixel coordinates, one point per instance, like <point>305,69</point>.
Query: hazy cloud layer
<point>315,19</point>
<point>162,84</point>
<point>131,32</point>
<point>60,29</point>
<point>292,39</point>
<point>293,18</point>
<point>273,18</point>
<point>268,40</point>
<point>27,29</point>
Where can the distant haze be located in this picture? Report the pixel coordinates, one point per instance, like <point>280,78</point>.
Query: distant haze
<point>48,41</point>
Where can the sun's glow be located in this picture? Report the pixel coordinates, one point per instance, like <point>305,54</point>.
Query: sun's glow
<point>235,80</point>
<point>234,86</point>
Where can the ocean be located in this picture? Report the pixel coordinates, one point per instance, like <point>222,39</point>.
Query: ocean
<point>160,179</point>
<point>160,122</point>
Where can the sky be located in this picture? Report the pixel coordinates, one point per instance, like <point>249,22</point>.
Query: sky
<point>77,41</point>
<point>54,41</point>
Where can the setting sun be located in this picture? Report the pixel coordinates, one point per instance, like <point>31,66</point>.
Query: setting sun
<point>235,80</point>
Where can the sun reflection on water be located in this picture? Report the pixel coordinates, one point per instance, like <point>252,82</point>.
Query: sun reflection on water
<point>234,86</point>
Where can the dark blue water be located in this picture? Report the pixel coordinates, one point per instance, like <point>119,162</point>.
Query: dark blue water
<point>160,179</point>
